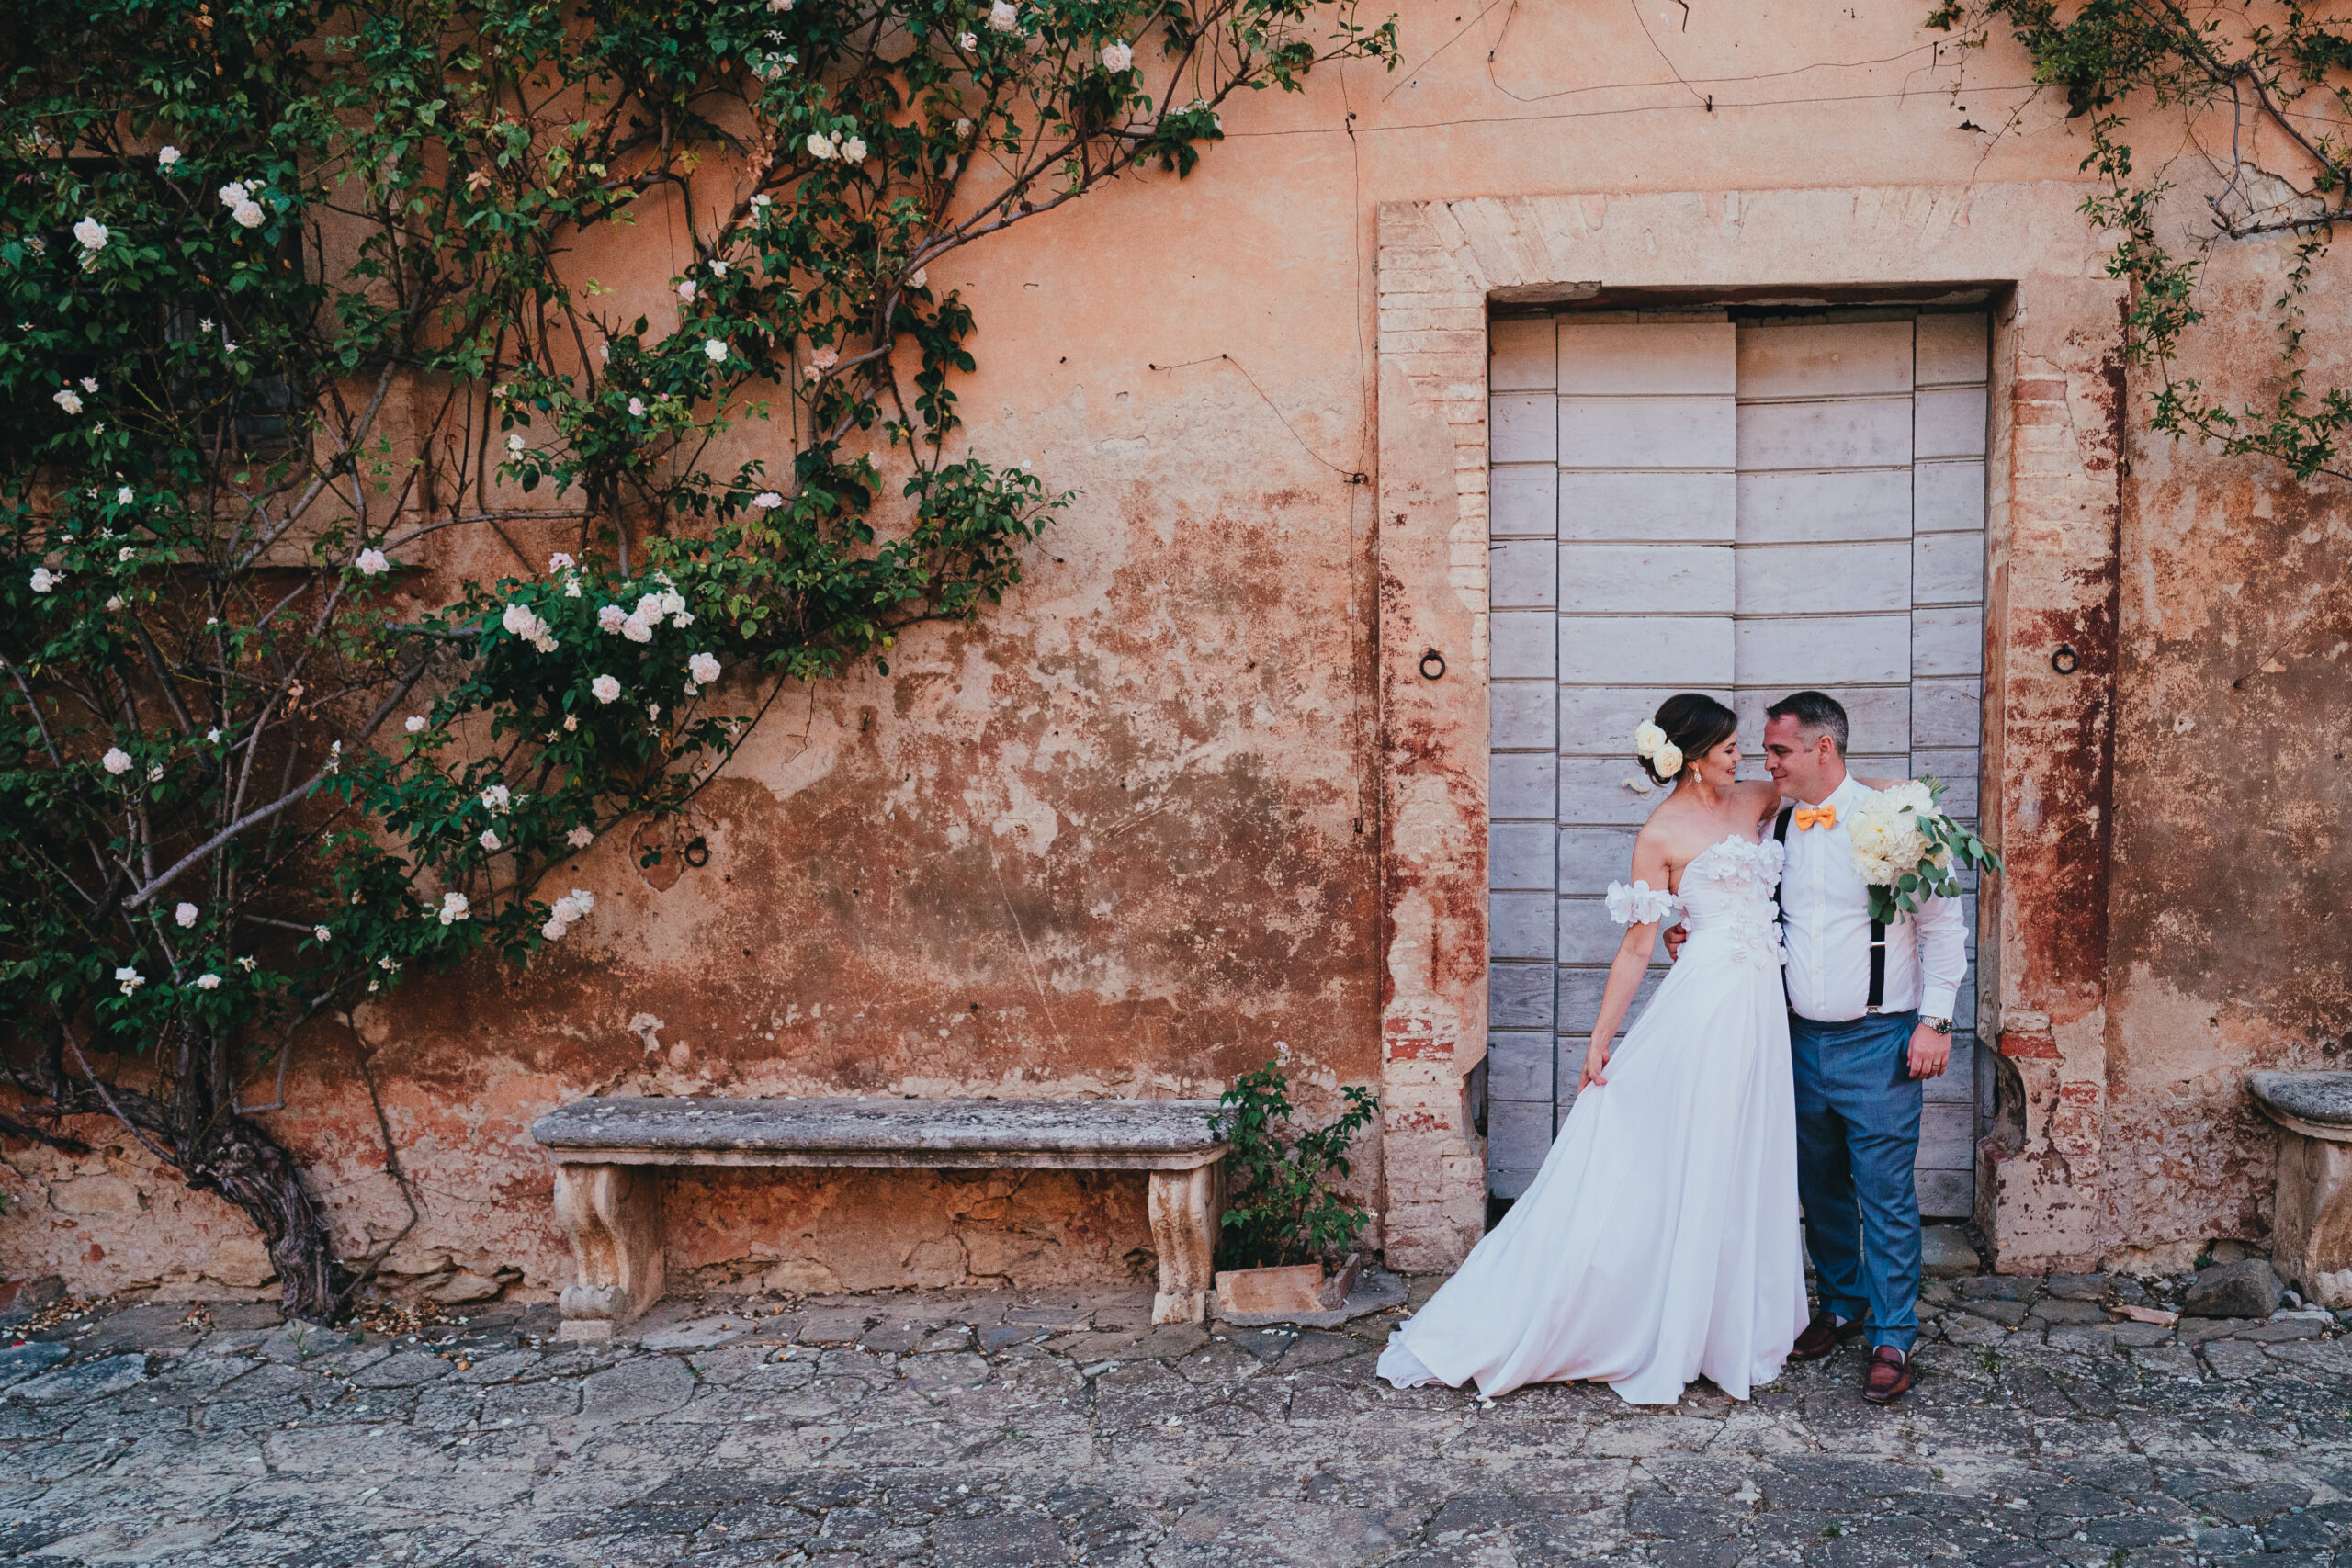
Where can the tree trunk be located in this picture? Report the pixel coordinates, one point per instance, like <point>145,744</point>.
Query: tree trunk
<point>241,1162</point>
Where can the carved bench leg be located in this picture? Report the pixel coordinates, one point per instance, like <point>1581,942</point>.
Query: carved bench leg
<point>612,1215</point>
<point>2312,1231</point>
<point>1184,1205</point>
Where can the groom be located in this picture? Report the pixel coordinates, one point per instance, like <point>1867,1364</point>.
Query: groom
<point>1870,1018</point>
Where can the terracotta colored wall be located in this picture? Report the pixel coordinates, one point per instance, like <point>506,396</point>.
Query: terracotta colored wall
<point>1168,807</point>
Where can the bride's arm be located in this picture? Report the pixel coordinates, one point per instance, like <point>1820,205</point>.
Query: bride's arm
<point>1633,961</point>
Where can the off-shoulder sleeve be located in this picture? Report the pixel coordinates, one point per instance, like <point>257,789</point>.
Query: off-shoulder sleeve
<point>1640,903</point>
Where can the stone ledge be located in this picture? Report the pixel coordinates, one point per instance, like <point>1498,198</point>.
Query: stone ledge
<point>2318,1105</point>
<point>1106,1134</point>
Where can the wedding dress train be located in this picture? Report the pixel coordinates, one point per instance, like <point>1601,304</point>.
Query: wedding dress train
<point>1660,1239</point>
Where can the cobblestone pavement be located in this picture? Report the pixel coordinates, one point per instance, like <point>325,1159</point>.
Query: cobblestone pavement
<point>947,1430</point>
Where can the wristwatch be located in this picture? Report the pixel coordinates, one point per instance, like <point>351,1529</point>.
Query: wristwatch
<point>1940,1025</point>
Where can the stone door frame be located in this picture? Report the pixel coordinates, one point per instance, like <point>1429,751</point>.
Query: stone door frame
<point>2052,528</point>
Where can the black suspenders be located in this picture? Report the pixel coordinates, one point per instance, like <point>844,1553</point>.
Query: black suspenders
<point>1877,1002</point>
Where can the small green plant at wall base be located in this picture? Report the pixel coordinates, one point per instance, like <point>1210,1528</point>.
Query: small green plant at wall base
<point>1281,1202</point>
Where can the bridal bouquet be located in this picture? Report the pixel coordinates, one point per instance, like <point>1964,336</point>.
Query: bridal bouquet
<point>1907,850</point>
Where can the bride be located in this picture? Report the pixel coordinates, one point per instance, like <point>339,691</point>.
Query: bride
<point>1659,1242</point>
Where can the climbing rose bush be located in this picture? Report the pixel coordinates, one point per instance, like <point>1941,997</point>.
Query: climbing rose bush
<point>293,345</point>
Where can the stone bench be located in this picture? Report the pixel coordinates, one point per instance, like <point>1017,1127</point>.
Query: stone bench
<point>2310,1230</point>
<point>609,1156</point>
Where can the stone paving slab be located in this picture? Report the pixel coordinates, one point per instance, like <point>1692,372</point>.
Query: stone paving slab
<point>919,1428</point>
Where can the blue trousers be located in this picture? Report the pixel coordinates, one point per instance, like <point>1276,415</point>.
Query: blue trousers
<point>1858,1137</point>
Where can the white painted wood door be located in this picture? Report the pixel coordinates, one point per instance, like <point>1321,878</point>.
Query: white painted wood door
<point>1686,503</point>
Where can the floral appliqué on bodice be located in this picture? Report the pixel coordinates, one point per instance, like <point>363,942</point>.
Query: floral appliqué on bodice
<point>1727,890</point>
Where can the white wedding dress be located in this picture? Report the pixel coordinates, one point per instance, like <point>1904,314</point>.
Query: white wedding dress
<point>1659,1241</point>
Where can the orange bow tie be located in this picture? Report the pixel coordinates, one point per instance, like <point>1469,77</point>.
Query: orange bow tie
<point>1816,817</point>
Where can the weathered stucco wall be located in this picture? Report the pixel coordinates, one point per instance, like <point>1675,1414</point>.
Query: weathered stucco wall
<point>1167,812</point>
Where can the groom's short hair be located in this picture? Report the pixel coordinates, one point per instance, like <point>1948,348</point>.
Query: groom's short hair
<point>1814,712</point>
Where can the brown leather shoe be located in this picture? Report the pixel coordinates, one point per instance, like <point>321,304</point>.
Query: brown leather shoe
<point>1889,1378</point>
<point>1821,1336</point>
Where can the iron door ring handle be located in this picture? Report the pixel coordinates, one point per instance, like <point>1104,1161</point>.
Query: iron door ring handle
<point>1429,658</point>
<point>2066,660</point>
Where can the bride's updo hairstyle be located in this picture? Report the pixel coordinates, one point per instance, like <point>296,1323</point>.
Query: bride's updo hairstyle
<point>1695,724</point>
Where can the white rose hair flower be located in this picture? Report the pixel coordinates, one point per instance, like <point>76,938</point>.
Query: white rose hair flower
<point>117,760</point>
<point>605,689</point>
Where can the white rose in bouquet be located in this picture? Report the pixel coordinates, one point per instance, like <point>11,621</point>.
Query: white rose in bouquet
<point>1904,849</point>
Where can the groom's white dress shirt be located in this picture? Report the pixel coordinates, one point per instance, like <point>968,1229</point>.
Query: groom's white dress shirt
<point>1827,929</point>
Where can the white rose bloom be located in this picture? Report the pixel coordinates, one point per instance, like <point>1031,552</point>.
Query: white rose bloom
<point>130,979</point>
<point>581,837</point>
<point>854,149</point>
<point>653,713</point>
<point>715,351</point>
<point>636,629</point>
<point>605,688</point>
<point>571,587</point>
<point>687,291</point>
<point>766,501</point>
<point>779,5</point>
<point>230,194</point>
<point>571,721</point>
<point>183,914</point>
<point>553,930</point>
<point>819,148</point>
<point>762,199</point>
<point>918,278</point>
<point>1005,15</point>
<point>637,408</point>
<point>114,601</point>
<point>704,668</point>
<point>454,908</point>
<point>560,561</point>
<point>92,234</point>
<point>90,384</point>
<point>166,157</point>
<point>489,839</point>
<point>45,579</point>
<point>415,723</point>
<point>524,622</point>
<point>719,269</point>
<point>249,215</point>
<point>824,358</point>
<point>514,441</point>
<point>126,496</point>
<point>323,933</point>
<point>208,982</point>
<point>374,562</point>
<point>246,964</point>
<point>967,42</point>
<point>1117,56</point>
<point>117,760</point>
<point>498,797</point>
<point>671,603</point>
<point>609,618</point>
<point>67,398</point>
<point>584,900</point>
